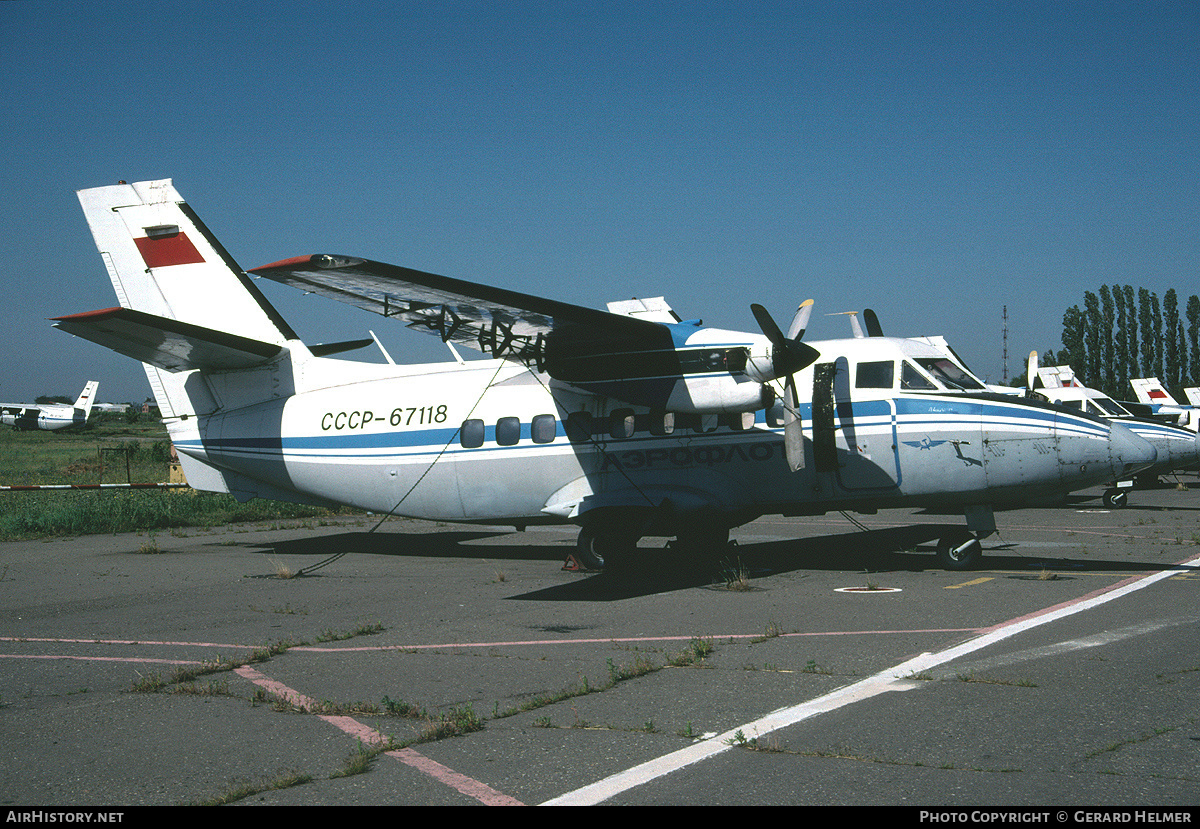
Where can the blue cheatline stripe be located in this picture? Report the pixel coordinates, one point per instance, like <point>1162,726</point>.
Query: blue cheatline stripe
<point>913,413</point>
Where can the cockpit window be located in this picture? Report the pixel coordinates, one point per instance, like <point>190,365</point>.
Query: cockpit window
<point>1110,407</point>
<point>913,380</point>
<point>874,375</point>
<point>947,372</point>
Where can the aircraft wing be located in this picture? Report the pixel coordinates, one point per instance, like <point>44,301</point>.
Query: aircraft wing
<point>492,320</point>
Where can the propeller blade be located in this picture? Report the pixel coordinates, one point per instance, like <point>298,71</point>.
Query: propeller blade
<point>1031,367</point>
<point>769,328</point>
<point>874,329</point>
<point>793,427</point>
<point>800,321</point>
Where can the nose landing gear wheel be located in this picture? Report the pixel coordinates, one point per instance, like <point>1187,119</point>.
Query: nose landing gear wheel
<point>1115,498</point>
<point>959,550</point>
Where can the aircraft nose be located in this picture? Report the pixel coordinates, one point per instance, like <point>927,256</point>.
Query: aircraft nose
<point>1129,453</point>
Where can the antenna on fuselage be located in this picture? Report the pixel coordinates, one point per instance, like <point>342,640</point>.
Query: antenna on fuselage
<point>386,356</point>
<point>854,325</point>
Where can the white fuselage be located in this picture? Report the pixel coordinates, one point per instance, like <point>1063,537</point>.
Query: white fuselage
<point>493,441</point>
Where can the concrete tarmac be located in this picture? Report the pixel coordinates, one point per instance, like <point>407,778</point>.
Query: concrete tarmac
<point>820,661</point>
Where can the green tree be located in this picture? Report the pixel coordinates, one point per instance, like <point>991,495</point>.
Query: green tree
<point>1171,342</point>
<point>1146,324</point>
<point>1073,353</point>
<point>1090,365</point>
<point>1193,333</point>
<point>1120,363</point>
<point>1156,331</point>
<point>1131,370</point>
<point>1107,379</point>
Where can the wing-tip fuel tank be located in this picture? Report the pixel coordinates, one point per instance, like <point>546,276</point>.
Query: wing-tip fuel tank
<point>629,424</point>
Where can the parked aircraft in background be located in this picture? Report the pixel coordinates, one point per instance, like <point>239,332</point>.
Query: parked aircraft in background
<point>50,416</point>
<point>629,423</point>
<point>1150,391</point>
<point>1178,447</point>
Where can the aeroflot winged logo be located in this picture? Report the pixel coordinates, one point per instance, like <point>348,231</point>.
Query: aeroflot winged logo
<point>924,443</point>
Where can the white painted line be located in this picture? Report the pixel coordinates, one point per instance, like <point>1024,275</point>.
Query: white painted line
<point>892,679</point>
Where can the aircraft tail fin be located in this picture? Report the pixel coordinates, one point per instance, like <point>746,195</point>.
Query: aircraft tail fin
<point>162,260</point>
<point>87,397</point>
<point>1193,395</point>
<point>187,310</point>
<point>1150,390</point>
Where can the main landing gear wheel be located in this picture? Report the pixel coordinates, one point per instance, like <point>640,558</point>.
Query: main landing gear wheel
<point>603,550</point>
<point>959,550</point>
<point>1115,498</point>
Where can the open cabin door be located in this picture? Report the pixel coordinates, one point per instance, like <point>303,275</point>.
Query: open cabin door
<point>854,426</point>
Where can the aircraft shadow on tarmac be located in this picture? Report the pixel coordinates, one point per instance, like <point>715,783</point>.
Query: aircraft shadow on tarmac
<point>663,569</point>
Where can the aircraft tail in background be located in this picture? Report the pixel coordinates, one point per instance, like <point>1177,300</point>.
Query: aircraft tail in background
<point>1150,390</point>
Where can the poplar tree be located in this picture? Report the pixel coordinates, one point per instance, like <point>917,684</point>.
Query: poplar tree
<point>1145,323</point>
<point>1073,352</point>
<point>1120,364</point>
<point>1156,331</point>
<point>1091,340</point>
<point>1107,351</point>
<point>1193,332</point>
<point>1171,341</point>
<point>1131,307</point>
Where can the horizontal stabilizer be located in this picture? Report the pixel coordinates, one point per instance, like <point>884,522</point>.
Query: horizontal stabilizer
<point>166,343</point>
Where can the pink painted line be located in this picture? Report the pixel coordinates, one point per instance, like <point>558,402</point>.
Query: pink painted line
<point>468,786</point>
<point>482,792</point>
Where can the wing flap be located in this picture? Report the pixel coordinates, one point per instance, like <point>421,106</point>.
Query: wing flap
<point>493,320</point>
<point>166,343</point>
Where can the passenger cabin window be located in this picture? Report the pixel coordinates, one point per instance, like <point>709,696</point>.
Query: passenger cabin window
<point>621,424</point>
<point>913,380</point>
<point>742,421</point>
<point>578,427</point>
<point>544,428</point>
<point>662,423</point>
<point>471,434</point>
<point>508,431</point>
<point>875,375</point>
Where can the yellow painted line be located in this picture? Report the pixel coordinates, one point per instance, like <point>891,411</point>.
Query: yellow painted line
<point>970,583</point>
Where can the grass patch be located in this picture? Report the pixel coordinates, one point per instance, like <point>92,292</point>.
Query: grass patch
<point>111,450</point>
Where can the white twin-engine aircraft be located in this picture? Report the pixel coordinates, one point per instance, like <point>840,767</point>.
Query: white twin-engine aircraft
<point>50,416</point>
<point>629,423</point>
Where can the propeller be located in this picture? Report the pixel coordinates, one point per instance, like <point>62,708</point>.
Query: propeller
<point>1031,368</point>
<point>789,355</point>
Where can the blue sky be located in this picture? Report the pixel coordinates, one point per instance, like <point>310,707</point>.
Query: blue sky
<point>933,161</point>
